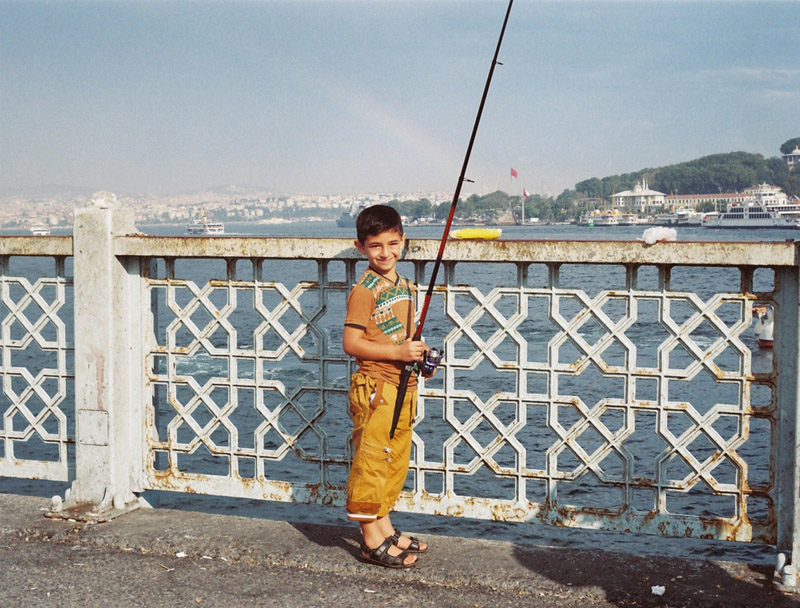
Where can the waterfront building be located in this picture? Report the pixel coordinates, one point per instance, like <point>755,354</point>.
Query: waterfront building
<point>640,199</point>
<point>692,201</point>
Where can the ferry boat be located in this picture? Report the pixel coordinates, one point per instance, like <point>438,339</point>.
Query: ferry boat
<point>40,230</point>
<point>750,215</point>
<point>774,199</point>
<point>689,218</point>
<point>787,208</point>
<point>599,218</point>
<point>202,225</point>
<point>679,217</point>
<point>628,219</point>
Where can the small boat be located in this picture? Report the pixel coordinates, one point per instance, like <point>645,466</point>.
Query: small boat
<point>202,225</point>
<point>763,325</point>
<point>40,230</point>
<point>477,233</point>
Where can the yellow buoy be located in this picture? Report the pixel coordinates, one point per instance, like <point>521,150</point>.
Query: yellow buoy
<point>477,233</point>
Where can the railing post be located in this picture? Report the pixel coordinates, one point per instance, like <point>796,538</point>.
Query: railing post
<point>787,477</point>
<point>107,350</point>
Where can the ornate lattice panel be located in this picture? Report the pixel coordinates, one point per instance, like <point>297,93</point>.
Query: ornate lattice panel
<point>591,396</point>
<point>623,397</point>
<point>37,373</point>
<point>248,378</point>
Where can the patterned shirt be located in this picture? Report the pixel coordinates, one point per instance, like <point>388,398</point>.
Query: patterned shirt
<point>385,311</point>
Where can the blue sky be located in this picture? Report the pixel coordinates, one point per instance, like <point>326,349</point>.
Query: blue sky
<point>366,95</point>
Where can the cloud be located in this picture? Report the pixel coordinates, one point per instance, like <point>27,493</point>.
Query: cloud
<point>755,74</point>
<point>779,95</point>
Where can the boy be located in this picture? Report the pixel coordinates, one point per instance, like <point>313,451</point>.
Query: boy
<point>378,326</point>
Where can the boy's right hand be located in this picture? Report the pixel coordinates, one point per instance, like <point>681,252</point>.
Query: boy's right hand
<point>411,350</point>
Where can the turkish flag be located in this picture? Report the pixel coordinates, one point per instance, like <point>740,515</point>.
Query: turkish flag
<point>514,172</point>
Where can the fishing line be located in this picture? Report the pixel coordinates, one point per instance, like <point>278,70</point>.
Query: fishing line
<point>409,367</point>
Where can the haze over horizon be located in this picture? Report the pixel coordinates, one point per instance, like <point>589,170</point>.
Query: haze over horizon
<point>338,97</point>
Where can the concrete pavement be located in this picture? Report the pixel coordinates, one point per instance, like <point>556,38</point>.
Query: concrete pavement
<point>161,557</point>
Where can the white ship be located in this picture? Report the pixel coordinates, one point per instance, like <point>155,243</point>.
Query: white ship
<point>769,208</point>
<point>629,219</point>
<point>611,217</point>
<point>679,217</point>
<point>750,215</point>
<point>202,225</point>
<point>599,218</point>
<point>40,230</point>
<point>786,208</point>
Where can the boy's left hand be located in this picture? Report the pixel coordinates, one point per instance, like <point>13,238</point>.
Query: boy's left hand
<point>412,350</point>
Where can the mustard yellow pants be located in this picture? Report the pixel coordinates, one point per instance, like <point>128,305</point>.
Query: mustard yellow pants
<point>380,464</point>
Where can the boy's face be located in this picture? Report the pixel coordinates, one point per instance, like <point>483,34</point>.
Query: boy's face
<point>383,251</point>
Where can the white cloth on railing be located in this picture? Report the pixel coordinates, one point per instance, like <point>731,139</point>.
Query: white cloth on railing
<point>659,234</point>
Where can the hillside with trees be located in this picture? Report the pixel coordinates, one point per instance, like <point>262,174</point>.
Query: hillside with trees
<point>790,145</point>
<point>729,172</point>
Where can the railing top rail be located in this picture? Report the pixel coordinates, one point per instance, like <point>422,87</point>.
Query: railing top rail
<point>682,253</point>
<point>36,245</point>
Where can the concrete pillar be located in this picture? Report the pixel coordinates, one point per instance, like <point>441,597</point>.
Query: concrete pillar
<point>786,353</point>
<point>109,366</point>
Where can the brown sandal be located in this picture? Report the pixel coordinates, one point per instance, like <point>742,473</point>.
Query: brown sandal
<point>380,555</point>
<point>412,548</point>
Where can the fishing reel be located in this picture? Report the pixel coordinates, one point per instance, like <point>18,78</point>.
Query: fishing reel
<point>430,361</point>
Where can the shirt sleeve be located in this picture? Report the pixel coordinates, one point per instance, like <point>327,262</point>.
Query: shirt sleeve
<point>360,304</point>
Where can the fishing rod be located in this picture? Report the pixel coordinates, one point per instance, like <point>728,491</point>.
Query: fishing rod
<point>405,375</point>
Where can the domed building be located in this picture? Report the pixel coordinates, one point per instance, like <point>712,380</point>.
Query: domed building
<point>640,199</point>
<point>793,158</point>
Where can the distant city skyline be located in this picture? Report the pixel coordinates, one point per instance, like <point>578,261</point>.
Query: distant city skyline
<point>339,97</point>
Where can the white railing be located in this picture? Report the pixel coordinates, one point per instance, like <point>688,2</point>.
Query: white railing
<point>608,385</point>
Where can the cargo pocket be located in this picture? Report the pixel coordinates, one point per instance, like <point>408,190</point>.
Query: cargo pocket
<point>361,389</point>
<point>365,397</point>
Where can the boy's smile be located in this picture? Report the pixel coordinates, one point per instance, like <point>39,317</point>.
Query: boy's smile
<point>383,251</point>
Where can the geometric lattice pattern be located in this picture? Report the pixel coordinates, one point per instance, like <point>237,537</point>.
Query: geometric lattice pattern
<point>245,375</point>
<point>629,409</point>
<point>631,399</point>
<point>36,382</point>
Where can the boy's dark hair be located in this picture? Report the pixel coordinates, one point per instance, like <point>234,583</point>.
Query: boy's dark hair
<point>377,219</point>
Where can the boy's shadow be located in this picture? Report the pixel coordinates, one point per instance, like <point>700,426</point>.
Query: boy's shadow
<point>339,537</point>
<point>624,579</point>
<point>627,579</point>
